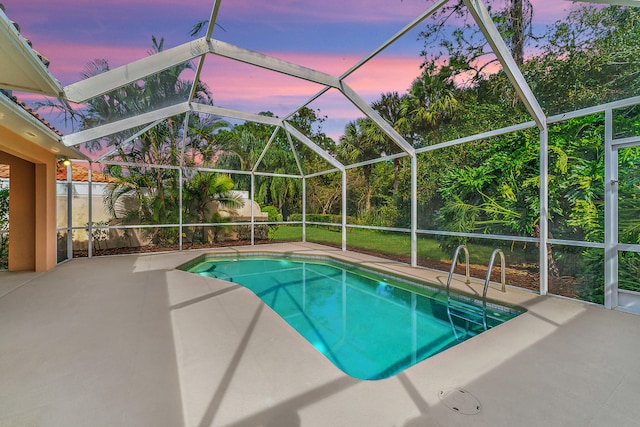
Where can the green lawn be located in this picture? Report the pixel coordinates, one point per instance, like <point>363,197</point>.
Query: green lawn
<point>389,243</point>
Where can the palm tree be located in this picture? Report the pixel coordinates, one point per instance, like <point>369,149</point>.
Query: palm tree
<point>362,140</point>
<point>201,191</point>
<point>244,146</point>
<point>389,106</point>
<point>155,189</point>
<point>432,102</point>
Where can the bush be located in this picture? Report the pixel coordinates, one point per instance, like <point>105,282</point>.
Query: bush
<point>272,211</point>
<point>274,216</point>
<point>324,218</point>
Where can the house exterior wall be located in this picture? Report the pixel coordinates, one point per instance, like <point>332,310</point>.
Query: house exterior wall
<point>32,210</point>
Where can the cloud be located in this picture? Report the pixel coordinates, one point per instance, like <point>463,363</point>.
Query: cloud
<point>383,74</point>
<point>326,11</point>
<point>69,60</point>
<point>549,11</point>
<point>72,33</point>
<point>254,89</point>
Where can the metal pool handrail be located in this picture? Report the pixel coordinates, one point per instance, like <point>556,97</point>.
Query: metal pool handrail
<point>502,273</point>
<point>453,266</point>
<point>468,311</point>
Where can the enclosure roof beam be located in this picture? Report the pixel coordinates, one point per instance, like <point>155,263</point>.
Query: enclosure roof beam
<point>309,101</point>
<point>124,124</point>
<point>163,113</point>
<point>265,149</point>
<point>214,16</point>
<point>118,77</point>
<point>129,140</point>
<point>235,114</point>
<point>212,23</point>
<point>483,19</point>
<point>377,119</point>
<point>430,11</point>
<point>102,83</point>
<point>295,154</point>
<point>270,63</point>
<point>313,146</point>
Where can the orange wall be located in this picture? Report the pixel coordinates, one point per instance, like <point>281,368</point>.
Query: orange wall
<point>22,210</point>
<point>32,203</point>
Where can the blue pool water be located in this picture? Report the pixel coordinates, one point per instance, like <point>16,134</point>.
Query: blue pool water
<point>369,325</point>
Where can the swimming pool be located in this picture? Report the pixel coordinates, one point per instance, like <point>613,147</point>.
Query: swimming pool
<point>369,324</point>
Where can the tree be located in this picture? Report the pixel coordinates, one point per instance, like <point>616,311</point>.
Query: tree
<point>432,101</point>
<point>587,59</point>
<point>461,45</point>
<point>390,108</point>
<point>155,190</point>
<point>200,192</point>
<point>242,145</point>
<point>362,141</point>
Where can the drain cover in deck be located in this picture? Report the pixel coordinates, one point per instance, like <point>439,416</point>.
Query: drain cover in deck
<point>460,400</point>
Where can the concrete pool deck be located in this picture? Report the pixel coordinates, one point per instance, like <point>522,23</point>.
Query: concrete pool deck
<point>131,341</point>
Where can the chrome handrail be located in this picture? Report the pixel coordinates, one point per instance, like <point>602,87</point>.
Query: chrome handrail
<point>502,272</point>
<point>453,266</point>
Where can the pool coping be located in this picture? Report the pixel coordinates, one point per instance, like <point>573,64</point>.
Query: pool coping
<point>410,281</point>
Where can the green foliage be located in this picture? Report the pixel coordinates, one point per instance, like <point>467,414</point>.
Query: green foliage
<point>325,218</point>
<point>273,216</point>
<point>588,59</point>
<point>628,271</point>
<point>324,194</point>
<point>241,146</point>
<point>489,186</point>
<point>576,179</point>
<point>150,196</point>
<point>363,140</point>
<point>497,192</point>
<point>433,102</point>
<point>204,196</point>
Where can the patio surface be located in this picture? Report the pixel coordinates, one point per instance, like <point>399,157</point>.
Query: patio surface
<point>131,341</point>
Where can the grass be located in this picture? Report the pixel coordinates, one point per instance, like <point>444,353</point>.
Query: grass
<point>388,243</point>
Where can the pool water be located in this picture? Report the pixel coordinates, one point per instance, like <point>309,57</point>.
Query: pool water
<point>370,326</point>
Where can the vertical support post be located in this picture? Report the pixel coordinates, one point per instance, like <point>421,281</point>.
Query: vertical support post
<point>344,210</point>
<point>253,218</point>
<point>304,209</point>
<point>544,210</point>
<point>180,208</point>
<point>185,133</point>
<point>610,215</point>
<point>69,213</point>
<point>90,213</point>
<point>414,210</point>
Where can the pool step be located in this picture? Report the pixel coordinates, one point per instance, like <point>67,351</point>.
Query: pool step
<point>467,311</point>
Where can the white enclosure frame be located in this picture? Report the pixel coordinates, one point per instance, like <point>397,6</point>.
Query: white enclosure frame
<point>198,49</point>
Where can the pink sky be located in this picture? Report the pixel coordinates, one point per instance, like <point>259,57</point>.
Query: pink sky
<point>122,38</point>
<point>384,74</point>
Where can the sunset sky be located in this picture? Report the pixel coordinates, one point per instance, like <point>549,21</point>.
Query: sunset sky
<point>330,36</point>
